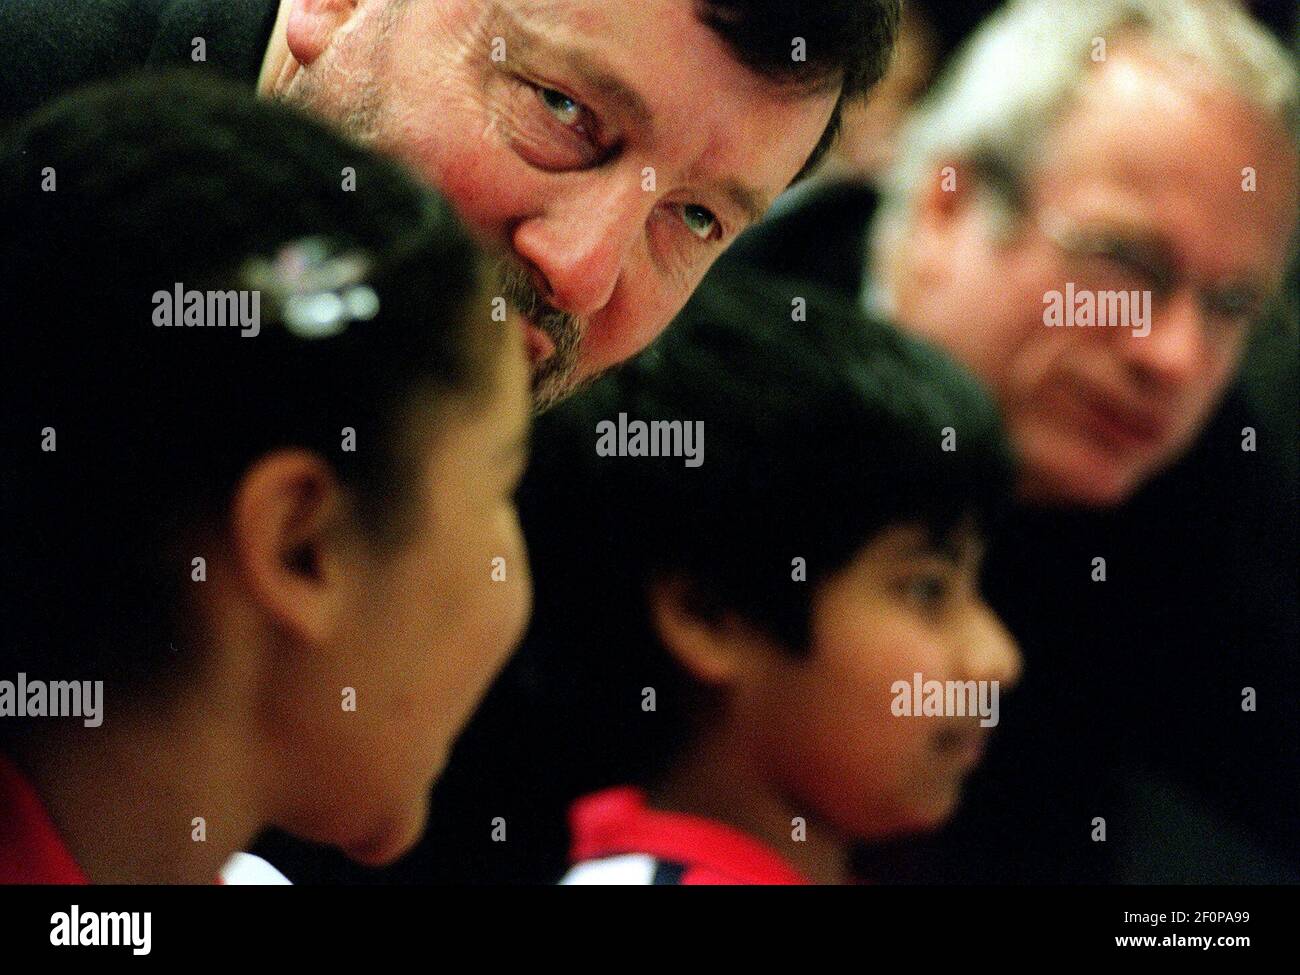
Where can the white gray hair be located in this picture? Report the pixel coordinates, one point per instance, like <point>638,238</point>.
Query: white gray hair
<point>1013,81</point>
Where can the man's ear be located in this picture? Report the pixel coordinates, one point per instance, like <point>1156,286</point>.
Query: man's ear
<point>951,188</point>
<point>920,263</point>
<point>716,647</point>
<point>285,517</point>
<point>311,26</point>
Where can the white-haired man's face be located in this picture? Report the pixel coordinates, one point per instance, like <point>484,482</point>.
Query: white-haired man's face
<point>610,150</point>
<point>1156,181</point>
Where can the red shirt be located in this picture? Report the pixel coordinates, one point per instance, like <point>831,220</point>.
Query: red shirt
<point>31,850</point>
<point>618,839</point>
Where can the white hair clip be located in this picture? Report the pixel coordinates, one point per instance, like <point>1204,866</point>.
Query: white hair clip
<point>316,290</point>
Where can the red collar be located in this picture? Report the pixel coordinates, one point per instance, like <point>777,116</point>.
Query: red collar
<point>617,820</point>
<point>31,850</point>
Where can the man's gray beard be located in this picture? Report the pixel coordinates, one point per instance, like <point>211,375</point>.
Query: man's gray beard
<point>552,379</point>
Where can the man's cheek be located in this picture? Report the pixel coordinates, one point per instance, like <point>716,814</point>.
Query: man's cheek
<point>484,188</point>
<point>633,318</point>
<point>447,138</point>
<point>1038,435</point>
<point>1001,341</point>
<point>1201,398</point>
<point>1191,417</point>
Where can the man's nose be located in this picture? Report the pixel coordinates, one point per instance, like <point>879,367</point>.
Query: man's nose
<point>990,652</point>
<point>580,246</point>
<point>1171,353</point>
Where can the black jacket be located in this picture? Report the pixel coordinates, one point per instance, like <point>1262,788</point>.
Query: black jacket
<point>48,48</point>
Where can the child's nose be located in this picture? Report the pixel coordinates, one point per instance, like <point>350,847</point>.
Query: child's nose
<point>990,651</point>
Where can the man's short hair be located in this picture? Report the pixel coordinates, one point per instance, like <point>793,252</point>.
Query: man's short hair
<point>845,42</point>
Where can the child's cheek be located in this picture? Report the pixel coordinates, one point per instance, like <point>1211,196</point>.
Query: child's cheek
<point>898,740</point>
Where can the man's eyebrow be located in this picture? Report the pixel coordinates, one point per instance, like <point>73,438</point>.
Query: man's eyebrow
<point>921,550</point>
<point>604,82</point>
<point>597,75</point>
<point>1150,245</point>
<point>750,201</point>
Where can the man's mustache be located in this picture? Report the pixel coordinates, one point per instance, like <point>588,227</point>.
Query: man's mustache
<point>553,378</point>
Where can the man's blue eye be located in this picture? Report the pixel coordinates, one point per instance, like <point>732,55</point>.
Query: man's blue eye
<point>564,108</point>
<point>700,221</point>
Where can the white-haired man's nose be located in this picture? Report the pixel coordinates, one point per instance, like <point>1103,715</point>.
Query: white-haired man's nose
<point>1172,352</point>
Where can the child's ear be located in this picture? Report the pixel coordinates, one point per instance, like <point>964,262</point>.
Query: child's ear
<point>285,516</point>
<point>715,646</point>
<point>311,26</point>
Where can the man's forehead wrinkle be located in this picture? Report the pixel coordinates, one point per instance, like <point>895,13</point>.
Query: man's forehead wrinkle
<point>1139,186</point>
<point>1123,215</point>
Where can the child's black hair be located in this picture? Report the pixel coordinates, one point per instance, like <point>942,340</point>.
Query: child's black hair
<point>818,434</point>
<point>116,192</point>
